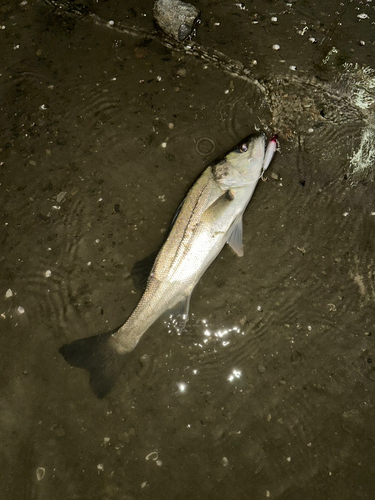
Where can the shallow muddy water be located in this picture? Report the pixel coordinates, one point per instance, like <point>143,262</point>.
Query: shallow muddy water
<point>269,393</point>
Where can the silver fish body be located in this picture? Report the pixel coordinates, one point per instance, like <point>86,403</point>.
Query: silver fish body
<point>210,217</point>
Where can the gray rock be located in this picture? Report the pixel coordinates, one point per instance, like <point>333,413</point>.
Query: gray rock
<point>177,19</point>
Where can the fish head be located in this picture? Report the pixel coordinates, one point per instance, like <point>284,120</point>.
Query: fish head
<point>243,165</point>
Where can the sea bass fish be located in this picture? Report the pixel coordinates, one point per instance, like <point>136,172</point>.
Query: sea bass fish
<point>209,217</point>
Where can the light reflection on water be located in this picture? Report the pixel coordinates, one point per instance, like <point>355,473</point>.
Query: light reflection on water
<point>210,340</point>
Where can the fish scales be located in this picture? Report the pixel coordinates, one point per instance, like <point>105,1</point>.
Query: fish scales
<point>210,216</point>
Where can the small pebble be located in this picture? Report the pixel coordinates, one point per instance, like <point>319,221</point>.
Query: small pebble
<point>60,196</point>
<point>40,473</point>
<point>182,72</point>
<point>20,310</point>
<point>47,274</point>
<point>276,46</point>
<point>8,293</point>
<point>262,369</point>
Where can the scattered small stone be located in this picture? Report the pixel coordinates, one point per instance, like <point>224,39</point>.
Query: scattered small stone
<point>152,456</point>
<point>47,274</point>
<point>225,461</point>
<point>243,320</point>
<point>20,310</point>
<point>181,72</point>
<point>8,293</point>
<point>262,369</point>
<point>60,196</point>
<point>275,176</point>
<point>40,473</point>
<point>276,46</point>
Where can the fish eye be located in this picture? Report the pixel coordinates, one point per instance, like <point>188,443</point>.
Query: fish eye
<point>243,147</point>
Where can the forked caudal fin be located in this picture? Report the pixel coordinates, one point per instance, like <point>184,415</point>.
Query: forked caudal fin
<point>99,358</point>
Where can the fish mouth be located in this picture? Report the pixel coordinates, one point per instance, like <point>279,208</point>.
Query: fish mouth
<point>256,145</point>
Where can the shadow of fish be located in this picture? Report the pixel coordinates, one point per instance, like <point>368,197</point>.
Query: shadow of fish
<point>210,216</point>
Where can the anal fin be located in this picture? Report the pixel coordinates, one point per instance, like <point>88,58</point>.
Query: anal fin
<point>179,314</point>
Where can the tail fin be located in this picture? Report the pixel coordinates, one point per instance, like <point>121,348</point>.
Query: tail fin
<point>99,357</point>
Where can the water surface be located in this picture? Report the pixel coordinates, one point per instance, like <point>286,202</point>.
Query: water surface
<point>269,391</point>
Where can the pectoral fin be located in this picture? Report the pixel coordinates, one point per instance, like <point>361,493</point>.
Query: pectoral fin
<point>235,238</point>
<point>218,208</point>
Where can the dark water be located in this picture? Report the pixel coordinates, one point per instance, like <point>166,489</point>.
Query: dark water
<point>270,391</point>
